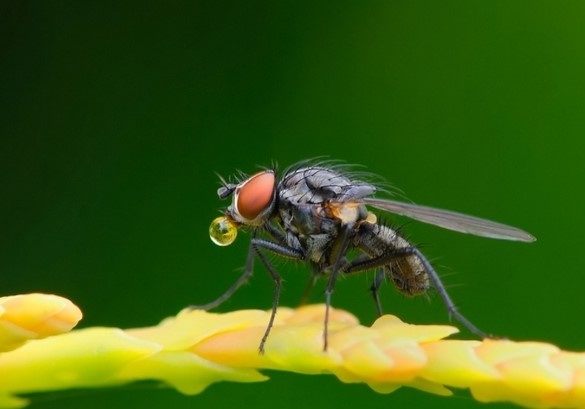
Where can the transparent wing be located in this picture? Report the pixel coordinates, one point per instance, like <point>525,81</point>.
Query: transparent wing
<point>451,220</point>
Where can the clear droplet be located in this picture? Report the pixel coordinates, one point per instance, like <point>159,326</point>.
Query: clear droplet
<point>222,231</point>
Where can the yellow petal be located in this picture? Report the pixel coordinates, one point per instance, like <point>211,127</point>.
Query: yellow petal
<point>34,316</point>
<point>197,348</point>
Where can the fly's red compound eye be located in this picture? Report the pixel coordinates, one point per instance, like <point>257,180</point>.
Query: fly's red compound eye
<point>255,195</point>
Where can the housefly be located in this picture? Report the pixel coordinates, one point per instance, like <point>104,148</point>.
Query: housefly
<point>318,212</point>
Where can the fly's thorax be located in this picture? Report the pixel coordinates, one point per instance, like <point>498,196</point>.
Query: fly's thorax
<point>308,228</point>
<point>318,184</point>
<point>407,272</point>
<point>317,247</point>
<point>315,218</point>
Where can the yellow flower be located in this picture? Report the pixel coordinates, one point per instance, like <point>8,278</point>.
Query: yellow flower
<point>197,348</point>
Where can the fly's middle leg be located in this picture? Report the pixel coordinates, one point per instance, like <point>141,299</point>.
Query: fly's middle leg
<point>375,289</point>
<point>337,255</point>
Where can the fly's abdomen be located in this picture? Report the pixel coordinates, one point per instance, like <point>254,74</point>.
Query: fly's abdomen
<point>406,270</point>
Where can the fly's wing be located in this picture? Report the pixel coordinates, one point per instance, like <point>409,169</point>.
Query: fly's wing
<point>451,220</point>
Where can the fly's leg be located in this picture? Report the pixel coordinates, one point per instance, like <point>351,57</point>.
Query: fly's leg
<point>364,263</point>
<point>338,253</point>
<point>451,308</point>
<point>243,279</point>
<point>378,280</point>
<point>277,282</point>
<point>361,264</point>
<point>255,245</point>
<point>375,290</point>
<point>281,250</point>
<point>310,285</point>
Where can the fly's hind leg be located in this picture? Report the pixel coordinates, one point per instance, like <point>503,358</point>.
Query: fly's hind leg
<point>449,304</point>
<point>361,264</point>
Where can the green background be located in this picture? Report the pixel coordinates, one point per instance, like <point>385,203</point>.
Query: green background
<point>114,119</point>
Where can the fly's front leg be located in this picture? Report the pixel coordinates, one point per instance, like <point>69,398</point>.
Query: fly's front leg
<point>248,270</point>
<point>281,250</point>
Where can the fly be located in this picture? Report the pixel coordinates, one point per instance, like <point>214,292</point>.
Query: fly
<point>317,212</point>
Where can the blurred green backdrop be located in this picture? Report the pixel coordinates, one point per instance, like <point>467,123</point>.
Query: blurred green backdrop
<point>115,117</point>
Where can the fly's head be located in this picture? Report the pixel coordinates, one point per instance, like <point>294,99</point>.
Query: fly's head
<point>253,201</point>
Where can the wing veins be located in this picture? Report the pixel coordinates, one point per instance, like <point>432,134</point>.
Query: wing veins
<point>450,220</point>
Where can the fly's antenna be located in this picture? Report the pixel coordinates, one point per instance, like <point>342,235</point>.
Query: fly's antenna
<point>226,188</point>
